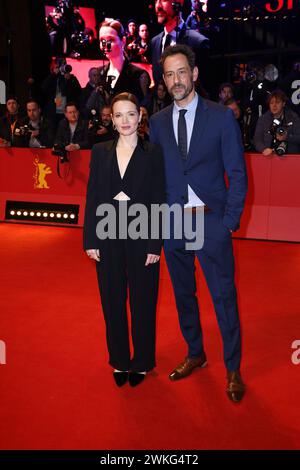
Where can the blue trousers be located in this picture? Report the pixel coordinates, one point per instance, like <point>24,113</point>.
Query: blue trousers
<point>217,262</point>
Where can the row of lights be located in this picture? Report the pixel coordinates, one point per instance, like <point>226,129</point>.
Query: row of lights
<point>52,215</point>
<point>238,18</point>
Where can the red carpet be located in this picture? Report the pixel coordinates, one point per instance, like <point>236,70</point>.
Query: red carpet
<point>56,389</point>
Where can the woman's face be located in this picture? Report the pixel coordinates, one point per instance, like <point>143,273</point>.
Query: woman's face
<point>125,117</point>
<point>109,34</point>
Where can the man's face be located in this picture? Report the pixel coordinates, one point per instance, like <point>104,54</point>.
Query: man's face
<point>276,106</point>
<point>94,76</point>
<point>165,11</point>
<point>106,116</point>
<point>12,106</point>
<point>178,76</point>
<point>72,114</point>
<point>132,28</point>
<point>226,93</point>
<point>236,110</point>
<point>143,32</point>
<point>33,111</point>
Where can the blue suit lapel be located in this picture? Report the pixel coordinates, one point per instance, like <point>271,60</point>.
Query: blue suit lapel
<point>198,129</point>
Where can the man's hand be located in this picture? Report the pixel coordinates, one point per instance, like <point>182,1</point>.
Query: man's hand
<point>267,152</point>
<point>72,147</point>
<point>35,133</point>
<point>102,130</point>
<point>281,137</point>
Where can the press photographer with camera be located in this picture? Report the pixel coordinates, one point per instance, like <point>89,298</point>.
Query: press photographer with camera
<point>59,88</point>
<point>278,130</point>
<point>101,126</point>
<point>36,130</point>
<point>72,132</point>
<point>10,124</point>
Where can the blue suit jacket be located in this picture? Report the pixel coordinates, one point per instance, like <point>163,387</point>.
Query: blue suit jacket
<point>189,37</point>
<point>215,149</point>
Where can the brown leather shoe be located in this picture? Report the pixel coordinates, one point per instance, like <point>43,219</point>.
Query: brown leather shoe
<point>187,366</point>
<point>235,386</point>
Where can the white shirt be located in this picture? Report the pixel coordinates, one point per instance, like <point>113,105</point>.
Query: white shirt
<point>173,35</point>
<point>113,72</point>
<point>193,200</point>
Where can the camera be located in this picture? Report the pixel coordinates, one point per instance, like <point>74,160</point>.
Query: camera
<point>106,45</point>
<point>60,151</point>
<point>250,76</point>
<point>65,68</point>
<point>95,121</point>
<point>279,146</point>
<point>25,130</point>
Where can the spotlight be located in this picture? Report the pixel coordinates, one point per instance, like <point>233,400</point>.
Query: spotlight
<point>58,215</point>
<point>51,215</point>
<point>72,216</point>
<point>66,216</point>
<point>25,213</point>
<point>31,214</point>
<point>12,212</point>
<point>45,214</point>
<point>38,214</point>
<point>19,213</point>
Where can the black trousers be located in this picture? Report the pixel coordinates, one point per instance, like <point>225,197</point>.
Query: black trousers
<point>122,269</point>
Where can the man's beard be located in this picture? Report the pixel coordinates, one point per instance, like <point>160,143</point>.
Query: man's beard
<point>182,91</point>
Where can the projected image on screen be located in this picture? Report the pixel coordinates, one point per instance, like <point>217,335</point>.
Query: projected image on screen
<point>71,30</point>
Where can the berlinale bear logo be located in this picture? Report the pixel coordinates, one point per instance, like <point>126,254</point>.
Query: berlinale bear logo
<point>41,170</point>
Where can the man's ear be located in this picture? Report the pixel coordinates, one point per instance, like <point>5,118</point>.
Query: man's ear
<point>195,74</point>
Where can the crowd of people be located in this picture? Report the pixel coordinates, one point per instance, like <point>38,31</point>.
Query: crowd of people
<point>60,111</point>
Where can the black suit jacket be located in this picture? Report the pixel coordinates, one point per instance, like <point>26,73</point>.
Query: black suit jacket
<point>80,136</point>
<point>148,181</point>
<point>196,41</point>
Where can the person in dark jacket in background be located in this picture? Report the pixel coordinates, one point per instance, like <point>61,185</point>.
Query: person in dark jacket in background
<point>72,132</point>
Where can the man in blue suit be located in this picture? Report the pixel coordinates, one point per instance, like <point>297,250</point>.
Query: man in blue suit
<point>201,142</point>
<point>176,32</point>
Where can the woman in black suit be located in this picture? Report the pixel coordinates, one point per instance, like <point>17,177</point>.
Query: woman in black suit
<point>125,172</point>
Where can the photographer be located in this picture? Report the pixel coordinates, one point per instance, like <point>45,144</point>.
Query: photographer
<point>140,47</point>
<point>10,125</point>
<point>278,130</point>
<point>100,127</point>
<point>72,133</point>
<point>35,129</point>
<point>59,88</point>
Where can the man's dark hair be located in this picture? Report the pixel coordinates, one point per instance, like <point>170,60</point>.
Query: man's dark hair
<point>33,101</point>
<point>226,85</point>
<point>71,103</point>
<point>230,101</point>
<point>278,95</point>
<point>179,49</point>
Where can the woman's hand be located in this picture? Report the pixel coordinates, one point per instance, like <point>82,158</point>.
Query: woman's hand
<point>93,254</point>
<point>151,259</point>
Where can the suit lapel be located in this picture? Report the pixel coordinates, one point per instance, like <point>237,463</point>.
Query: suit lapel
<point>198,129</point>
<point>140,164</point>
<point>105,170</point>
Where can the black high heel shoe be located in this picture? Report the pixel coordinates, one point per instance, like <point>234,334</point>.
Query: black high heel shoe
<point>135,378</point>
<point>120,378</point>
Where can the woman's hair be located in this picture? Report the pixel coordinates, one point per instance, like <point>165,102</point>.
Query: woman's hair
<point>125,96</point>
<point>114,24</point>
